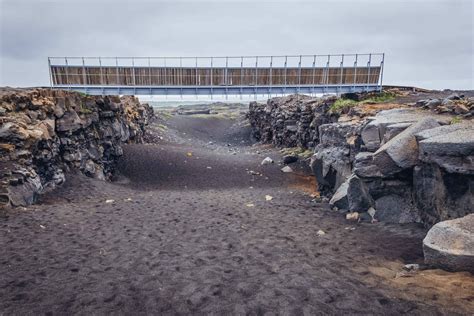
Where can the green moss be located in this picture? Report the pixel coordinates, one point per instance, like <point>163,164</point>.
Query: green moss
<point>297,151</point>
<point>341,104</point>
<point>162,127</point>
<point>379,98</point>
<point>456,120</point>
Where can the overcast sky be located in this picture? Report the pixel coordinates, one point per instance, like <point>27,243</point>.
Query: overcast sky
<point>427,43</point>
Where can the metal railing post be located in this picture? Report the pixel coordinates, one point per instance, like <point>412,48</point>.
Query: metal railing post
<point>368,71</point>
<point>50,74</point>
<point>197,78</point>
<point>149,74</point>
<point>381,71</point>
<point>84,75</point>
<point>181,77</point>
<point>299,76</point>
<point>67,73</point>
<point>212,81</point>
<point>134,81</point>
<point>284,76</point>
<point>241,74</point>
<point>342,72</point>
<point>271,77</point>
<point>166,79</point>
<point>355,72</point>
<point>101,76</point>
<point>256,76</point>
<point>326,80</point>
<point>117,71</point>
<point>225,78</point>
<point>314,73</point>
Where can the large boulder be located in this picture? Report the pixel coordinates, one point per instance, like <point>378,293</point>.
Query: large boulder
<point>387,124</point>
<point>449,245</point>
<point>451,147</point>
<point>394,208</point>
<point>440,195</point>
<point>352,195</point>
<point>401,152</point>
<point>332,161</point>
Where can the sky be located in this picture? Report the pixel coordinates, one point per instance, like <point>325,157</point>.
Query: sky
<point>427,43</point>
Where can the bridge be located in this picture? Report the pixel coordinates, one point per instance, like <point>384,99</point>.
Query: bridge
<point>307,74</point>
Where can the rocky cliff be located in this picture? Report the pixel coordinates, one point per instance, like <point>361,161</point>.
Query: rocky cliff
<point>387,161</point>
<point>46,133</point>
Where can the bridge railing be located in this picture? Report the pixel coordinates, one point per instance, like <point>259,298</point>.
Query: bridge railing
<point>357,70</point>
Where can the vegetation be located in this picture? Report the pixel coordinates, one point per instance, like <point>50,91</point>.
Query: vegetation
<point>343,104</point>
<point>297,151</point>
<point>379,98</point>
<point>456,120</point>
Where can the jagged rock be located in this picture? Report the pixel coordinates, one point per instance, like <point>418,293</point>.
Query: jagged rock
<point>364,165</point>
<point>454,96</point>
<point>45,133</point>
<point>433,103</point>
<point>391,122</point>
<point>352,195</point>
<point>451,147</point>
<point>288,159</point>
<point>70,121</point>
<point>331,163</point>
<point>449,245</point>
<point>25,193</point>
<point>401,152</point>
<point>393,130</point>
<point>395,209</point>
<point>440,195</point>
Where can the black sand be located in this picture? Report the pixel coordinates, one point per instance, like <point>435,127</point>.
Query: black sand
<point>182,238</point>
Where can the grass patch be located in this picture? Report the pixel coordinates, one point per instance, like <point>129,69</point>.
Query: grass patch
<point>456,120</point>
<point>162,127</point>
<point>297,151</point>
<point>341,105</point>
<point>379,98</point>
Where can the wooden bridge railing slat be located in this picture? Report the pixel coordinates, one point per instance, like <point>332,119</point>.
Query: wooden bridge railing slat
<point>175,76</point>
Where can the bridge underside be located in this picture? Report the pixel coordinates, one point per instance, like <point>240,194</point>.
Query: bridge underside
<point>231,90</point>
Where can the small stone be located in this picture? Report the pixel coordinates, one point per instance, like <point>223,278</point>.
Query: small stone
<point>290,159</point>
<point>268,197</point>
<point>411,267</point>
<point>286,169</point>
<point>354,216</point>
<point>267,161</point>
<point>109,201</point>
<point>320,233</point>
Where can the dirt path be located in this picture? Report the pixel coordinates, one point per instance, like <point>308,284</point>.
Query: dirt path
<point>186,229</point>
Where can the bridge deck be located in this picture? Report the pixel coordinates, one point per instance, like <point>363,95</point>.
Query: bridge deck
<point>214,79</point>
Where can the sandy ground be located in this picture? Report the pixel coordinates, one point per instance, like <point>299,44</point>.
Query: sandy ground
<point>186,229</point>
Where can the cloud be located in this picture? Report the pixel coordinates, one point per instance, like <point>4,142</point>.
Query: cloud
<point>427,43</point>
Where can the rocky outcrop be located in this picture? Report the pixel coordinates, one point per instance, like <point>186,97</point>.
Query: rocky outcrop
<point>45,133</point>
<point>454,104</point>
<point>450,245</point>
<point>290,121</point>
<point>407,164</point>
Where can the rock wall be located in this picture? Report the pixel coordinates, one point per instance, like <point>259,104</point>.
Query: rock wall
<point>290,121</point>
<point>45,133</point>
<point>392,163</point>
